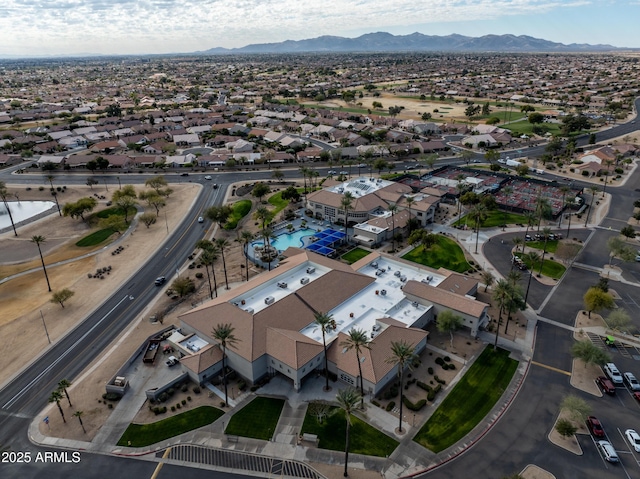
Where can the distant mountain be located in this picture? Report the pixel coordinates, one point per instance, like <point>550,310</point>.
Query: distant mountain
<point>386,42</point>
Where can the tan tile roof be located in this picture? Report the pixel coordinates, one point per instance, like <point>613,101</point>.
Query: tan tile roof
<point>445,298</point>
<point>375,365</point>
<point>291,347</point>
<point>203,359</point>
<point>458,283</point>
<point>399,220</point>
<point>332,289</point>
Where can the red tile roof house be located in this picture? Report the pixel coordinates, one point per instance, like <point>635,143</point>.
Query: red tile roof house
<point>273,317</point>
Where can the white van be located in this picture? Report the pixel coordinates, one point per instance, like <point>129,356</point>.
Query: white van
<point>613,373</point>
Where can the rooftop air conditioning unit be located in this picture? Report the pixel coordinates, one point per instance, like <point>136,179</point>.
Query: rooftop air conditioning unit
<point>282,284</point>
<point>403,278</point>
<point>415,304</point>
<point>374,264</point>
<point>311,270</point>
<point>383,292</point>
<point>397,273</point>
<point>429,278</point>
<point>269,300</point>
<point>249,310</point>
<point>376,327</point>
<point>304,280</point>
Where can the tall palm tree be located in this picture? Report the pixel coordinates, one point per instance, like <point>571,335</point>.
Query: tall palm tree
<point>79,414</point>
<point>403,355</point>
<point>348,401</point>
<point>393,209</point>
<point>570,201</point>
<point>357,340</point>
<point>501,294</point>
<point>38,240</point>
<point>222,243</point>
<point>63,384</point>
<point>542,209</point>
<point>410,200</point>
<point>531,217</point>
<point>4,194</point>
<point>565,189</point>
<point>460,186</point>
<point>545,232</point>
<point>208,257</point>
<point>478,214</point>
<point>246,237</point>
<point>223,334</point>
<point>530,258</point>
<point>327,324</point>
<point>517,242</point>
<point>345,203</point>
<point>594,190</point>
<point>55,397</point>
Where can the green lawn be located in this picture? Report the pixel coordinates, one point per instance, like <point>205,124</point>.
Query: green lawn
<point>469,401</point>
<point>113,210</point>
<point>550,268</point>
<point>95,238</point>
<point>552,245</point>
<point>145,434</point>
<point>445,253</point>
<point>258,419</point>
<point>495,218</point>
<point>354,255</point>
<point>526,128</point>
<point>240,210</point>
<point>364,439</point>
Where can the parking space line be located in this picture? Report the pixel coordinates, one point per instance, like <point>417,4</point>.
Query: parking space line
<point>551,368</point>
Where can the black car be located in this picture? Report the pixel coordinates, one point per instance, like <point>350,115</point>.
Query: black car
<point>160,280</point>
<point>184,174</point>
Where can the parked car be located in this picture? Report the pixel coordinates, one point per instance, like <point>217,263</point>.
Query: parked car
<point>208,177</point>
<point>636,396</point>
<point>160,280</point>
<point>613,373</point>
<point>595,427</point>
<point>528,238</point>
<point>634,439</point>
<point>631,382</point>
<point>172,361</point>
<point>608,452</point>
<point>605,385</point>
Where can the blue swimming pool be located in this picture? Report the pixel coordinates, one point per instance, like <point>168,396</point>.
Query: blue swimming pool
<point>295,239</point>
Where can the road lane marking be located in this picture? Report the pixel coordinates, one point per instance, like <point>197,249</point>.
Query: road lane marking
<point>11,401</point>
<point>561,371</point>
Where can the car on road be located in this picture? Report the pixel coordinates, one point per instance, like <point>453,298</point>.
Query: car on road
<point>200,219</point>
<point>215,186</point>
<point>528,238</point>
<point>331,172</point>
<point>631,382</point>
<point>608,452</point>
<point>595,427</point>
<point>634,439</point>
<point>184,174</point>
<point>208,177</point>
<point>613,373</point>
<point>605,385</point>
<point>361,165</point>
<point>344,172</point>
<point>160,280</point>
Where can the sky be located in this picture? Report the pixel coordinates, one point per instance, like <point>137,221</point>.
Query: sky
<point>80,27</point>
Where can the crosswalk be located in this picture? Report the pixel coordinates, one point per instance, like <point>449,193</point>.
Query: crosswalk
<point>621,348</point>
<point>240,461</point>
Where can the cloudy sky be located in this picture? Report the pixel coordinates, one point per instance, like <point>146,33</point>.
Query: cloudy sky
<point>61,27</point>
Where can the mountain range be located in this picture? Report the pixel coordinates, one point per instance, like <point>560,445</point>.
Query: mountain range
<point>415,42</point>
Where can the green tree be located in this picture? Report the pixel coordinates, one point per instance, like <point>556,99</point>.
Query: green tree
<point>277,174</point>
<point>80,208</point>
<point>348,400</point>
<point>565,428</point>
<point>619,249</point>
<point>358,340</point>
<point>56,397</point>
<point>61,296</point>
<point>91,182</point>
<point>619,320</point>
<point>38,240</point>
<point>492,156</point>
<point>156,183</point>
<point>153,199</point>
<point>535,118</point>
<point>478,214</point>
<point>246,237</point>
<point>223,335</point>
<point>222,245</point>
<point>79,414</point>
<point>184,286</point>
<point>63,384</point>
<point>148,219</point>
<point>125,199</point>
<point>345,203</point>
<point>577,408</point>
<point>448,322</point>
<point>114,222</point>
<point>404,356</point>
<point>596,300</point>
<point>379,165</point>
<point>589,353</point>
<point>628,232</point>
<point>208,258</point>
<point>260,190</point>
<point>487,279</point>
<point>326,324</point>
<point>501,295</point>
<point>218,214</point>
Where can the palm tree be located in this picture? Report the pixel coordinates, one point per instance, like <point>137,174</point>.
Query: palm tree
<point>38,240</point>
<point>327,324</point>
<point>517,241</point>
<point>403,355</point>
<point>546,232</point>
<point>594,190</point>
<point>357,340</point>
<point>63,384</point>
<point>530,258</point>
<point>487,279</point>
<point>223,334</point>
<point>410,200</point>
<point>222,243</point>
<point>345,203</point>
<point>531,217</point>
<point>501,294</point>
<point>542,209</point>
<point>565,189</point>
<point>570,201</point>
<point>208,257</point>
<point>507,191</point>
<point>79,414</point>
<point>348,401</point>
<point>55,397</point>
<point>478,213</point>
<point>460,186</point>
<point>246,237</point>
<point>393,209</point>
<point>4,194</point>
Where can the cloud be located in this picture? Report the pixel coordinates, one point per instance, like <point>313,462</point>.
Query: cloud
<point>137,26</point>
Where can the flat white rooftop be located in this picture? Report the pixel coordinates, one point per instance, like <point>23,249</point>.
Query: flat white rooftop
<point>360,186</point>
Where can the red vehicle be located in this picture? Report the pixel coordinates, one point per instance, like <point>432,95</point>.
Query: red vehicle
<point>605,384</point>
<point>595,427</point>
<point>636,395</point>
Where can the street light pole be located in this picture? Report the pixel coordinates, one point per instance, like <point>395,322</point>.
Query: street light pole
<point>45,327</point>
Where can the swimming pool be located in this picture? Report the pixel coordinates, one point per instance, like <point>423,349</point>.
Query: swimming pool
<point>283,241</point>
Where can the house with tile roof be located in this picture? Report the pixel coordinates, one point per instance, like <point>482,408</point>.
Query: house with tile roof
<point>273,318</point>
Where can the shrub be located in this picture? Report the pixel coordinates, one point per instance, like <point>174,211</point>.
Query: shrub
<point>199,275</point>
<point>163,397</point>
<point>439,361</point>
<point>390,406</point>
<point>430,370</point>
<point>171,392</point>
<point>424,386</point>
<point>438,380</point>
<point>222,404</point>
<point>375,403</point>
<point>565,428</point>
<point>452,366</point>
<point>184,401</point>
<point>111,396</point>
<point>447,359</point>
<point>188,398</point>
<point>173,409</point>
<point>110,406</point>
<point>414,406</point>
<point>196,389</point>
<point>178,406</point>
<point>242,385</point>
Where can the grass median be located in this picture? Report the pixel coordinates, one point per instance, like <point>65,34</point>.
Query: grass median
<point>469,401</point>
<point>257,420</point>
<point>445,253</point>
